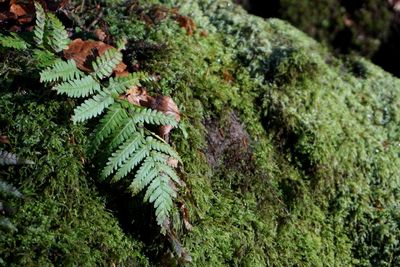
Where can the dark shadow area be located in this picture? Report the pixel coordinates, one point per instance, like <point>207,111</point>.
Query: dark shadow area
<point>388,56</point>
<point>367,28</point>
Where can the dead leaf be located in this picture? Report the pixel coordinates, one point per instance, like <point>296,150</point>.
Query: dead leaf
<point>100,34</point>
<point>185,216</point>
<point>138,96</point>
<point>172,162</point>
<point>84,52</point>
<point>187,23</point>
<point>4,139</point>
<point>166,105</point>
<point>19,15</point>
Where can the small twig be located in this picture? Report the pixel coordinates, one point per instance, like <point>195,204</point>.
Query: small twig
<point>94,22</point>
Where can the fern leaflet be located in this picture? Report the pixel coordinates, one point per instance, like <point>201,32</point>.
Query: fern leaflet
<point>132,162</point>
<point>120,84</point>
<point>151,116</point>
<point>79,88</point>
<point>7,189</point>
<point>163,147</point>
<point>92,107</point>
<point>123,153</point>
<point>121,134</point>
<point>61,70</point>
<point>39,29</point>
<point>115,116</point>
<point>163,201</point>
<point>7,158</point>
<point>57,37</point>
<point>13,41</point>
<point>104,64</point>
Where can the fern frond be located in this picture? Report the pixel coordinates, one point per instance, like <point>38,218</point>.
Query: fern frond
<point>43,58</point>
<point>39,29</point>
<point>13,41</point>
<point>61,70</point>
<point>122,154</point>
<point>151,116</point>
<point>5,223</point>
<point>120,84</point>
<point>163,201</point>
<point>7,189</point>
<point>142,153</point>
<point>105,64</point>
<point>114,117</point>
<point>121,134</point>
<point>121,44</point>
<point>92,107</point>
<point>138,183</point>
<point>79,87</point>
<point>7,158</point>
<point>57,37</point>
<point>161,146</point>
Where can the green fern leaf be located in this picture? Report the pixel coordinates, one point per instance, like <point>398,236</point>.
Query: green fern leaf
<point>169,172</point>
<point>151,116</point>
<point>92,107</point>
<point>7,189</point>
<point>39,29</point>
<point>161,160</point>
<point>122,154</point>
<point>79,88</point>
<point>7,158</point>
<point>57,37</point>
<point>13,41</point>
<point>163,202</point>
<point>5,223</point>
<point>43,58</point>
<point>61,70</point>
<point>138,183</point>
<point>105,64</point>
<point>120,84</point>
<point>153,191</point>
<point>161,146</point>
<point>121,134</point>
<point>142,153</point>
<point>114,118</point>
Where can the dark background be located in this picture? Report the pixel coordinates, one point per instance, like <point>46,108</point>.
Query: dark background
<point>370,28</point>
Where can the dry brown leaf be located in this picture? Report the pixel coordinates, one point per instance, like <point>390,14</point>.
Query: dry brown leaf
<point>185,214</point>
<point>84,52</point>
<point>24,13</point>
<point>187,23</point>
<point>19,15</point>
<point>100,34</point>
<point>172,162</point>
<point>166,105</point>
<point>4,139</point>
<point>138,96</point>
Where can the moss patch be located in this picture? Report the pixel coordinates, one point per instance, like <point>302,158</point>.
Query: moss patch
<point>315,182</point>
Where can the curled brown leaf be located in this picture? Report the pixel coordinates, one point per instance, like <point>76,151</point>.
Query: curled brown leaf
<point>84,52</point>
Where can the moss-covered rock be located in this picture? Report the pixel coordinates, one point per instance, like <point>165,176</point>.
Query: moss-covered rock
<point>291,156</point>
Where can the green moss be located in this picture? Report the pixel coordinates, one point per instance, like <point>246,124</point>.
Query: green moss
<point>61,219</point>
<point>316,142</point>
<point>308,167</point>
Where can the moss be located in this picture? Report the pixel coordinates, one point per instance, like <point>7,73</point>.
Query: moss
<point>61,219</point>
<point>307,167</point>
